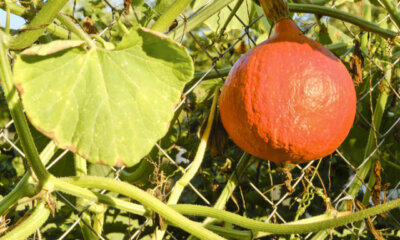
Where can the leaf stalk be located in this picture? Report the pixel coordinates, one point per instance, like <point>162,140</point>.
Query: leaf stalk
<point>20,122</point>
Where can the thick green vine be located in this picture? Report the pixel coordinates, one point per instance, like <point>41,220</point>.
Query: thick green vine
<point>36,219</point>
<point>332,219</point>
<point>38,24</point>
<point>165,20</point>
<point>137,194</point>
<point>327,221</point>
<point>18,115</point>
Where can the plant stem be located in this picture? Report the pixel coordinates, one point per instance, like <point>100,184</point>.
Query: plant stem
<point>231,233</point>
<point>55,184</point>
<point>195,165</point>
<point>36,27</point>
<point>16,9</point>
<point>60,32</point>
<point>48,152</point>
<point>135,208</point>
<point>24,188</point>
<point>211,75</point>
<point>81,170</point>
<point>36,219</point>
<point>326,221</point>
<point>18,116</point>
<point>216,6</point>
<point>367,15</point>
<point>198,159</point>
<point>198,18</point>
<point>138,209</point>
<point>121,25</point>
<point>7,26</point>
<point>165,20</point>
<point>143,170</point>
<point>313,224</point>
<point>344,16</point>
<point>52,28</point>
<point>275,9</point>
<point>230,186</point>
<point>77,30</point>
<point>80,166</point>
<point>133,192</point>
<point>231,15</point>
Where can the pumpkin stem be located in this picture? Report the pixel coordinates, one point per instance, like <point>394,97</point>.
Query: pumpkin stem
<point>275,9</point>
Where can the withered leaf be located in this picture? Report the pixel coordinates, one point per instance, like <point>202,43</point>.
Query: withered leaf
<point>127,5</point>
<point>357,64</point>
<point>89,26</point>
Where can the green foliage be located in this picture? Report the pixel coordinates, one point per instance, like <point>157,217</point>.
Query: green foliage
<point>128,108</point>
<point>114,106</point>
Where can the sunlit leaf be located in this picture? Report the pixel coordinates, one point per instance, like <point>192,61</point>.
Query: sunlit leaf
<point>108,106</point>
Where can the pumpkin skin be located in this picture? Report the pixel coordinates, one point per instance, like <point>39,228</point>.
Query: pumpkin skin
<point>288,100</point>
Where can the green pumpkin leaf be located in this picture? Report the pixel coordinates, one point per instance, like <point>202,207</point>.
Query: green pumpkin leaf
<point>108,106</point>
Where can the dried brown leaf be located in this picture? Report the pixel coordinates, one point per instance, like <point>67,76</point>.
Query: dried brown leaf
<point>356,65</point>
<point>89,26</point>
<point>127,5</point>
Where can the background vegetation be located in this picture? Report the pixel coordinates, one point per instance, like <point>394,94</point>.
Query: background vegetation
<point>363,172</point>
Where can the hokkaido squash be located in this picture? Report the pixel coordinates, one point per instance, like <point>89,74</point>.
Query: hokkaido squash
<point>288,100</point>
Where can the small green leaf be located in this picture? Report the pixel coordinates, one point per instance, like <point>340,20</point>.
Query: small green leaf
<point>108,106</point>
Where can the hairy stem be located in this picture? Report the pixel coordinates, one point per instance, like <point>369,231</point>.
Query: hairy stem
<point>344,16</point>
<point>81,170</point>
<point>56,184</point>
<point>165,20</point>
<point>24,188</point>
<point>326,221</point>
<point>135,193</point>
<point>216,6</point>
<point>199,18</point>
<point>36,219</point>
<point>51,28</point>
<point>314,224</point>
<point>77,30</point>
<point>231,15</point>
<point>143,170</point>
<point>18,116</point>
<point>38,24</point>
<point>16,9</point>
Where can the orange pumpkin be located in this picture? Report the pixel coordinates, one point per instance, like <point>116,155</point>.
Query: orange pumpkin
<point>288,100</point>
